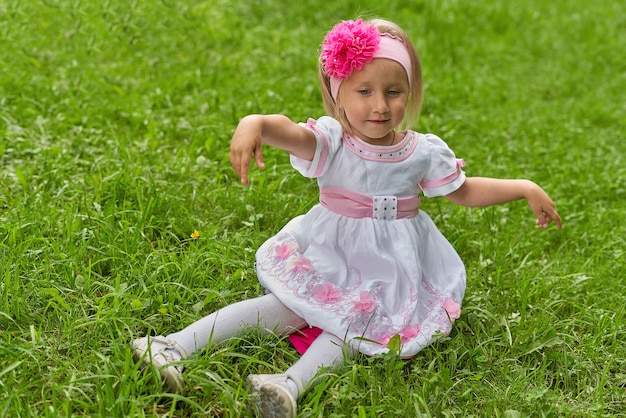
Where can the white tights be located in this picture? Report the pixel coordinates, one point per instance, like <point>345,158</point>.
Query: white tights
<point>268,313</point>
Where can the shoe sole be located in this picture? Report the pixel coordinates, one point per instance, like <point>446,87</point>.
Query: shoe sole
<point>269,400</point>
<point>274,404</point>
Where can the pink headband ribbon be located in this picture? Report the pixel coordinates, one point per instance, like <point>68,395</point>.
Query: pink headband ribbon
<point>352,44</point>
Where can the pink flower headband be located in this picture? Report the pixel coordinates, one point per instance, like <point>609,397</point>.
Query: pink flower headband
<point>352,44</point>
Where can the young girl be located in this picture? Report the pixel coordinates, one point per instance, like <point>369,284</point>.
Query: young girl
<point>365,264</point>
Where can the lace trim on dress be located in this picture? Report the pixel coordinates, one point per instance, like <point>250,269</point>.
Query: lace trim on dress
<point>393,153</point>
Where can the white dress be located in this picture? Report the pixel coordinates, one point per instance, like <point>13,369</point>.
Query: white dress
<point>365,264</point>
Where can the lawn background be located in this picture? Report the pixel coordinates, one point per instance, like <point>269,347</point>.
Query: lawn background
<point>115,120</point>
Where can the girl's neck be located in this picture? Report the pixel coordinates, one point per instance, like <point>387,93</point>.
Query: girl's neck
<point>392,138</point>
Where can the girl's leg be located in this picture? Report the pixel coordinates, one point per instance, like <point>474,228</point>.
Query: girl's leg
<point>164,352</point>
<point>266,312</point>
<point>326,351</point>
<point>278,393</point>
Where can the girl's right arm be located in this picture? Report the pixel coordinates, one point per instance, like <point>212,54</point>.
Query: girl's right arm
<point>277,131</point>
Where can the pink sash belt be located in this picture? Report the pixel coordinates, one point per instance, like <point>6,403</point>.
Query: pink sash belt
<point>357,205</point>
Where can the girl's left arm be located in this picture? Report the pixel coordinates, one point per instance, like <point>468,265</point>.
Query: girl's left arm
<point>482,191</point>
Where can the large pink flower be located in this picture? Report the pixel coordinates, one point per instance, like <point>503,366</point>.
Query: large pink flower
<point>366,303</point>
<point>348,46</point>
<point>326,293</point>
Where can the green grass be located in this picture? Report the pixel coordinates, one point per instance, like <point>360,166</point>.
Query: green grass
<point>115,120</point>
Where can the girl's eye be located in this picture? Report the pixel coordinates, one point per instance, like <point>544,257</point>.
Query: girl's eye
<point>364,92</point>
<point>393,92</point>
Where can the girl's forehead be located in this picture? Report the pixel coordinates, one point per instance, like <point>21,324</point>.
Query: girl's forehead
<point>381,70</point>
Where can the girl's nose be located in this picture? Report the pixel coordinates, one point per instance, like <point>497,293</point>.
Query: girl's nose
<point>380,104</point>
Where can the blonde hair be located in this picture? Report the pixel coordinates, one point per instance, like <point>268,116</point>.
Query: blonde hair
<point>416,93</point>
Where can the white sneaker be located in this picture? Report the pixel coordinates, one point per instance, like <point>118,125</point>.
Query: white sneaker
<point>161,352</point>
<point>272,395</point>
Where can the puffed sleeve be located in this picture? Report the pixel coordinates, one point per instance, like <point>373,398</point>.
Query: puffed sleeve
<point>328,133</point>
<point>444,174</point>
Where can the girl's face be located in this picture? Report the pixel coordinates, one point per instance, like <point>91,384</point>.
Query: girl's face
<point>374,100</point>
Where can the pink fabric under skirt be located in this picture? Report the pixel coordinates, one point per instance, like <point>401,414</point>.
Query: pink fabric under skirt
<point>303,338</point>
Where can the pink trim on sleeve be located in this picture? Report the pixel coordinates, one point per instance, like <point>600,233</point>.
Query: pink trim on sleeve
<point>444,180</point>
<point>311,124</point>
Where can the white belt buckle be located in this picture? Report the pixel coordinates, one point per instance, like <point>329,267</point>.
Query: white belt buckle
<point>385,207</point>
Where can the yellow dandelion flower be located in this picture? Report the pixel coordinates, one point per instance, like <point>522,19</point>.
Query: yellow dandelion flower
<point>195,234</point>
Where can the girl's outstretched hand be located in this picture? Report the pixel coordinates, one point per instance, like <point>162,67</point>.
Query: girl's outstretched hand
<point>543,207</point>
<point>246,142</point>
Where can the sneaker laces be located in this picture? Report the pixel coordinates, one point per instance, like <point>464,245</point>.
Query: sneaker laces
<point>171,345</point>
